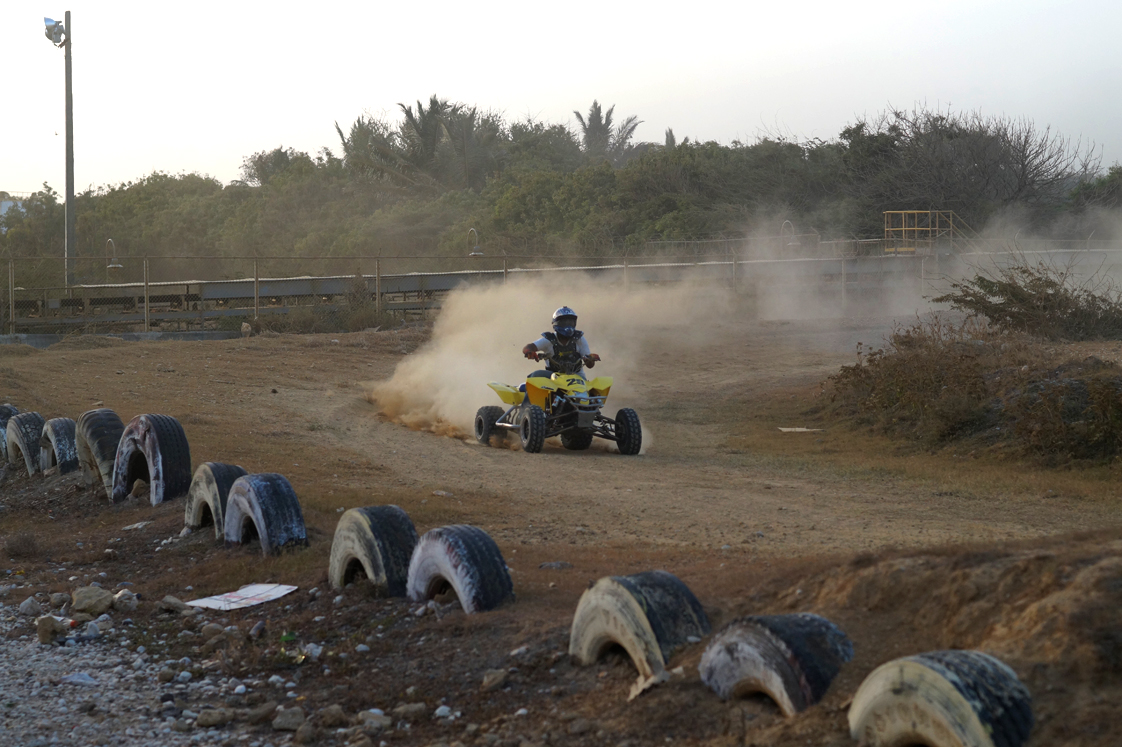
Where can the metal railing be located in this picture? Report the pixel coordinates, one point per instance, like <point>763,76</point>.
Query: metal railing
<point>336,294</point>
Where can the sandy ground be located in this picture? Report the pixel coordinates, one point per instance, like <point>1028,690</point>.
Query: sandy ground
<point>744,527</point>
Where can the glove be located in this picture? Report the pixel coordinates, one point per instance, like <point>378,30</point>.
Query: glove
<point>590,359</point>
<point>530,351</point>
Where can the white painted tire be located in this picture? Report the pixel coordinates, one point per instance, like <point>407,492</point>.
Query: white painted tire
<point>790,658</point>
<point>22,444</point>
<point>379,542</point>
<point>96,436</point>
<point>207,496</point>
<point>464,559</point>
<point>942,699</point>
<point>152,448</point>
<point>57,447</point>
<point>649,615</point>
<point>264,506</point>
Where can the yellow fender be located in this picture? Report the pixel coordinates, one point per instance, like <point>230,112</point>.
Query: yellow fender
<point>599,386</point>
<point>508,394</point>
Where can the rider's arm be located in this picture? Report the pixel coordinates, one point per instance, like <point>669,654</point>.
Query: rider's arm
<point>586,353</point>
<point>540,345</point>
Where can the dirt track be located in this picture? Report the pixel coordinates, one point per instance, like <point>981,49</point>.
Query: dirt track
<point>737,524</point>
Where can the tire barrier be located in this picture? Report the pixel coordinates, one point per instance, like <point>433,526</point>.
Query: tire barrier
<point>649,615</point>
<point>942,699</point>
<point>96,436</point>
<point>206,498</point>
<point>153,448</point>
<point>264,506</point>
<point>22,443</point>
<point>466,560</point>
<point>790,658</point>
<point>379,542</point>
<point>57,447</point>
<point>6,412</point>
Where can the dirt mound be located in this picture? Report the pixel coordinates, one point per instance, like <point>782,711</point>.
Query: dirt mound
<point>88,342</point>
<point>17,350</point>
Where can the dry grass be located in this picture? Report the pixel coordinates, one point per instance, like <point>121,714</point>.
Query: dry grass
<point>22,546</point>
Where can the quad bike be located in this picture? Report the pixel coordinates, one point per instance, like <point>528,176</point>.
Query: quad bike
<point>565,405</point>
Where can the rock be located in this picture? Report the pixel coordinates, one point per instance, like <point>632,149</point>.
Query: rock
<point>333,716</point>
<point>92,600</point>
<point>78,678</point>
<point>171,604</point>
<point>58,599</point>
<point>139,489</point>
<point>493,679</point>
<point>214,717</point>
<point>442,712</point>
<point>81,617</point>
<point>182,725</point>
<point>50,628</point>
<point>183,677</point>
<point>257,630</point>
<point>289,719</point>
<point>411,710</point>
<point>362,648</point>
<point>239,690</point>
<point>372,723</point>
<point>31,607</point>
<point>581,726</point>
<point>210,630</point>
<point>261,713</point>
<point>124,601</point>
<point>166,675</point>
<point>556,565</point>
<point>92,630</point>
<point>306,734</point>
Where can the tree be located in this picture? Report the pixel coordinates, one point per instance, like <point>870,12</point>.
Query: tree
<point>600,139</point>
<point>423,130</point>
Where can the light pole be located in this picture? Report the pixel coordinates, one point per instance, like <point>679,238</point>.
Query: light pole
<point>60,36</point>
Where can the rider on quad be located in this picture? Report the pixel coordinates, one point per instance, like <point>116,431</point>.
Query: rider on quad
<point>564,350</point>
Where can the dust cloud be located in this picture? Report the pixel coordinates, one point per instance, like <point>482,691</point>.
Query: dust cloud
<point>480,332</point>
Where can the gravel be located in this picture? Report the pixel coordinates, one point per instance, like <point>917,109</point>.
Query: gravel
<point>99,692</point>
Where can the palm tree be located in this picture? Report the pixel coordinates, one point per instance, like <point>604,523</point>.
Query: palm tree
<point>424,130</point>
<point>473,139</point>
<point>598,137</point>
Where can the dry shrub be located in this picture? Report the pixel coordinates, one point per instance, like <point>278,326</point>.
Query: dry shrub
<point>936,382</point>
<point>1042,300</point>
<point>23,545</point>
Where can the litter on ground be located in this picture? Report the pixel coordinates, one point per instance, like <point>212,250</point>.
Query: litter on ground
<point>247,596</point>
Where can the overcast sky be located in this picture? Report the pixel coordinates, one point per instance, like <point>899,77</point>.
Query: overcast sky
<point>195,87</point>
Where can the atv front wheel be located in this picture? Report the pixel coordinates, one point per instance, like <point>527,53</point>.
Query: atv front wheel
<point>532,429</point>
<point>485,419</point>
<point>629,434</point>
<point>576,440</point>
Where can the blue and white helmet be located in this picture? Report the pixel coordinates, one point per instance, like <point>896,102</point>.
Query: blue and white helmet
<point>564,322</point>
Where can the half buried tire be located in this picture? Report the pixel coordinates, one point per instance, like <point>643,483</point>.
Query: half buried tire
<point>6,412</point>
<point>153,448</point>
<point>790,658</point>
<point>264,507</point>
<point>629,432</point>
<point>57,447</point>
<point>377,541</point>
<point>942,699</point>
<point>96,436</point>
<point>649,615</point>
<point>23,434</point>
<point>464,559</point>
<point>206,498</point>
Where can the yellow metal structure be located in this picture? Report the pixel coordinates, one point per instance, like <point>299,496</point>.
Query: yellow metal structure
<point>905,229</point>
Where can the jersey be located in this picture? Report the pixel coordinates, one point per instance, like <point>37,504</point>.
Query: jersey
<point>563,357</point>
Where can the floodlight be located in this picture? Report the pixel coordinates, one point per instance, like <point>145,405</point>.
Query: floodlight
<point>54,31</point>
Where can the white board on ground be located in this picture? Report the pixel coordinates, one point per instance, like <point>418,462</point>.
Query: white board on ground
<point>247,596</point>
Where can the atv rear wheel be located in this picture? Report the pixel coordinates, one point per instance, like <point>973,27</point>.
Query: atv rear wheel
<point>629,433</point>
<point>576,440</point>
<point>485,419</point>
<point>532,429</point>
